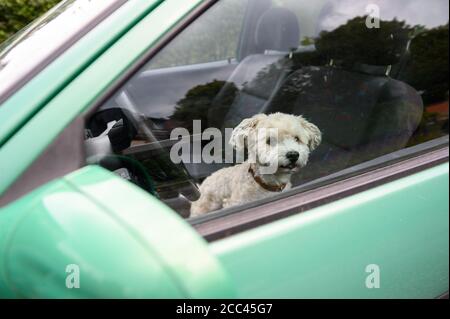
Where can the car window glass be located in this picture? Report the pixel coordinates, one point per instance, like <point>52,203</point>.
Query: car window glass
<point>332,85</point>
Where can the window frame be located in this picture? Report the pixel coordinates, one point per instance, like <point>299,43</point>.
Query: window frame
<point>226,222</point>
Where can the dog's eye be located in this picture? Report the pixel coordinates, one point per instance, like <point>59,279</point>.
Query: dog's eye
<point>297,139</point>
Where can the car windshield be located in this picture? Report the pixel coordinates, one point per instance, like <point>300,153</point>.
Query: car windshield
<point>31,47</point>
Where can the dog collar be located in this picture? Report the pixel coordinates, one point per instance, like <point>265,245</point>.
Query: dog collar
<point>260,182</point>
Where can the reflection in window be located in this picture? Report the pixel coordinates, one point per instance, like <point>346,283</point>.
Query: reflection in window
<point>215,38</point>
<point>370,91</point>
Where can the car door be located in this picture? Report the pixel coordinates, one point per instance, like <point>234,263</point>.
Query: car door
<point>368,219</point>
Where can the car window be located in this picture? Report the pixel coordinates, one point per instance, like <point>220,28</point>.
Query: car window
<point>257,98</point>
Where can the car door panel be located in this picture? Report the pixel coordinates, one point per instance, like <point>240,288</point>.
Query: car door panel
<point>402,227</point>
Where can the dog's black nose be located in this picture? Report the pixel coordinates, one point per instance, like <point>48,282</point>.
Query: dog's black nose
<point>292,156</point>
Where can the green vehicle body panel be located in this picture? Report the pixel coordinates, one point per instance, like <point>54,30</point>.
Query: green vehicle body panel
<point>140,248</point>
<point>402,226</point>
<point>123,248</point>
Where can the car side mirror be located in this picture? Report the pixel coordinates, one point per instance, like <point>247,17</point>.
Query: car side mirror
<point>92,234</point>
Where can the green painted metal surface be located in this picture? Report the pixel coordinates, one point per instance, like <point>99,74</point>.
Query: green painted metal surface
<point>125,243</point>
<point>78,95</point>
<point>402,226</point>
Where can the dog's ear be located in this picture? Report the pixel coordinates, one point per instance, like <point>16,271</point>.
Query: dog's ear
<point>314,134</point>
<point>241,132</point>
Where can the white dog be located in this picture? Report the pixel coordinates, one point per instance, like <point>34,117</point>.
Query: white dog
<point>280,144</point>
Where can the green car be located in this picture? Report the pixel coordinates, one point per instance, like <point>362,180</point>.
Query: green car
<point>113,113</point>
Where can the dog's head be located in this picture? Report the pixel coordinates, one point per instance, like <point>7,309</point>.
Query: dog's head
<point>281,142</point>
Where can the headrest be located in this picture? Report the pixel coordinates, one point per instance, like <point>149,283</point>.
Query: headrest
<point>277,30</point>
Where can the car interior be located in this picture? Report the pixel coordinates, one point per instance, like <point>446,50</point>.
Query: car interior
<point>358,97</point>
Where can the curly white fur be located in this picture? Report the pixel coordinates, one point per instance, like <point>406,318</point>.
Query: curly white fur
<point>269,139</point>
